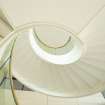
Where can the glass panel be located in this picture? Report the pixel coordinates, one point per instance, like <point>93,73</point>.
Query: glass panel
<point>6,88</point>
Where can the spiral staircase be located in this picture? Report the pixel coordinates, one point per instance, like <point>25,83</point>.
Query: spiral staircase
<point>88,71</point>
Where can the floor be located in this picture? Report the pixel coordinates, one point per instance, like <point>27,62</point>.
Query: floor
<point>31,98</point>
